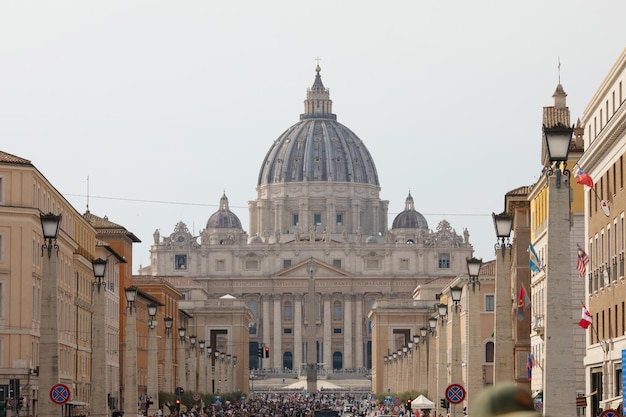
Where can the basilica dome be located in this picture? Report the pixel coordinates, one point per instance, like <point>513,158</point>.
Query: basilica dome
<point>223,218</point>
<point>318,148</point>
<point>409,218</point>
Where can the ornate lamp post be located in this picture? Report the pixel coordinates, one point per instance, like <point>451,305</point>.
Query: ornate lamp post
<point>153,381</point>
<point>473,348</point>
<point>99,386</point>
<point>49,330</point>
<point>180,359</point>
<point>193,374</point>
<point>202,372</point>
<point>558,383</point>
<point>503,369</point>
<point>169,321</point>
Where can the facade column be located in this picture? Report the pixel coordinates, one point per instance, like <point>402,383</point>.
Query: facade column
<point>347,328</point>
<point>276,351</point>
<point>358,335</point>
<point>265,300</point>
<point>297,334</point>
<point>327,330</point>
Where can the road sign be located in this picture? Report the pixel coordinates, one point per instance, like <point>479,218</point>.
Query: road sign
<point>60,394</point>
<point>11,402</point>
<point>196,396</point>
<point>609,413</point>
<point>455,393</point>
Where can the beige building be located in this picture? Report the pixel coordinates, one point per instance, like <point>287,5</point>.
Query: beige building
<point>318,211</point>
<point>604,124</point>
<point>25,194</point>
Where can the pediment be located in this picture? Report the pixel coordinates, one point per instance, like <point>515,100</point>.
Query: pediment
<point>302,269</point>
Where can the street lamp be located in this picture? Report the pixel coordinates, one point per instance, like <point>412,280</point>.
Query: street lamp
<point>99,268</point>
<point>416,340</point>
<point>473,270</point>
<point>50,226</point>
<point>503,223</point>
<point>558,142</point>
<point>423,333</point>
<point>442,309</point>
<point>180,358</point>
<point>432,324</point>
<point>455,292</point>
<point>152,311</point>
<point>131,295</point>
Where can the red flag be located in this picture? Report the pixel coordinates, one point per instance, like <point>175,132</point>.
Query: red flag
<point>583,260</point>
<point>585,320</point>
<point>584,178</point>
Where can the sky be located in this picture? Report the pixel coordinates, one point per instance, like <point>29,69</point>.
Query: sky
<point>147,111</point>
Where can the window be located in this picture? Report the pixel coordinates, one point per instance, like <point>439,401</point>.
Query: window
<point>180,262</point>
<point>489,303</point>
<point>337,263</point>
<point>295,219</point>
<point>337,313</point>
<point>287,311</point>
<point>337,330</point>
<point>372,264</point>
<point>251,265</point>
<point>220,265</point>
<point>287,330</point>
<point>317,219</point>
<point>489,352</point>
<point>339,219</point>
<point>286,263</point>
<point>444,261</point>
<point>404,264</point>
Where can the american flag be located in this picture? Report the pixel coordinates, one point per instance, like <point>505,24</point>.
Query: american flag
<point>583,260</point>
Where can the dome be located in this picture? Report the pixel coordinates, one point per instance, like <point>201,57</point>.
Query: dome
<point>223,218</point>
<point>318,148</point>
<point>409,218</point>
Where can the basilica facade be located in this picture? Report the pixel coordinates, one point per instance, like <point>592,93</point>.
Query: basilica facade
<point>317,216</point>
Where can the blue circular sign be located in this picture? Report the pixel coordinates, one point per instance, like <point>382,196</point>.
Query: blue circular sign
<point>455,393</point>
<point>60,394</point>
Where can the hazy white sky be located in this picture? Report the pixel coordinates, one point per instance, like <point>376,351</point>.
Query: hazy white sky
<point>166,104</point>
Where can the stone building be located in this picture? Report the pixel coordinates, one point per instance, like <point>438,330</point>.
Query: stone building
<point>317,214</point>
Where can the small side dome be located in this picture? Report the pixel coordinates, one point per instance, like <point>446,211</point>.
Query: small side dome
<point>409,218</point>
<point>373,239</point>
<point>223,218</point>
<point>255,239</point>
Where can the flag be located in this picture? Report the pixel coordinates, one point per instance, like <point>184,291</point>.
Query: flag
<point>584,178</point>
<point>583,260</point>
<point>522,302</point>
<point>535,263</point>
<point>585,320</point>
<point>529,366</point>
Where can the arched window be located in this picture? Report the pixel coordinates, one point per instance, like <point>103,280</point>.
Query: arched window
<point>337,313</point>
<point>337,360</point>
<point>252,305</point>
<point>489,352</point>
<point>287,311</point>
<point>288,360</point>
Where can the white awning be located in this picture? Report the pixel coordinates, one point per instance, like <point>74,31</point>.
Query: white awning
<point>611,403</point>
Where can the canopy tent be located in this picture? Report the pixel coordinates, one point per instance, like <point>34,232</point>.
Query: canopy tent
<point>422,402</point>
